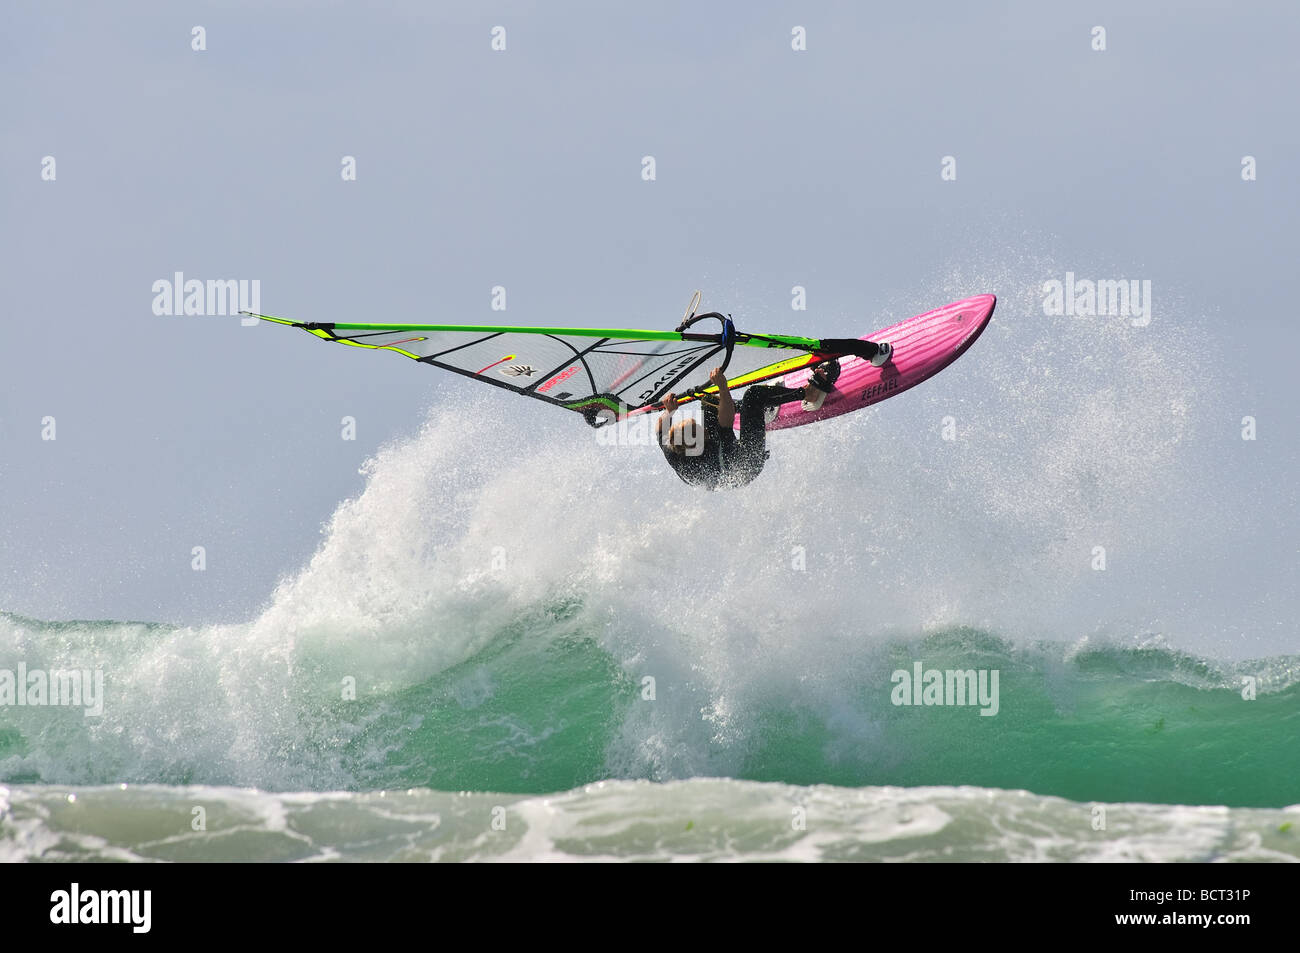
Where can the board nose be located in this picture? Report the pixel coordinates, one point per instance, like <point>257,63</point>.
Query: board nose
<point>974,310</point>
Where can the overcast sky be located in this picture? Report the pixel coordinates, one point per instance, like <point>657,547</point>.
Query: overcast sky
<point>774,167</point>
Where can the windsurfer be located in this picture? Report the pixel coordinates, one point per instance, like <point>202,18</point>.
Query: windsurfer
<point>711,455</point>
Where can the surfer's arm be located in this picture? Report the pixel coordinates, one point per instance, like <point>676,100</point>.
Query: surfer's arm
<point>666,418</point>
<point>726,406</point>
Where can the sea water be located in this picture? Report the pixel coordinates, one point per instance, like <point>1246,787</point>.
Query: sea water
<point>550,648</point>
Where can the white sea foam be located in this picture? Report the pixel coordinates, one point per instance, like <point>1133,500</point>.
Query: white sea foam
<point>685,821</point>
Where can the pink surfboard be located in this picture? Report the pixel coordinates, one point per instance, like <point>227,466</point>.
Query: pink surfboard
<point>923,346</point>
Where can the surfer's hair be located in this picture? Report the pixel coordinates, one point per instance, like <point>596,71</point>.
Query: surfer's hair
<point>686,437</point>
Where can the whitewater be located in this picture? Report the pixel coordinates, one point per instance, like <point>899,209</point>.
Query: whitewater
<point>521,643</point>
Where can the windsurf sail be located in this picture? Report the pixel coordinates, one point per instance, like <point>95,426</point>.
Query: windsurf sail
<point>605,374</point>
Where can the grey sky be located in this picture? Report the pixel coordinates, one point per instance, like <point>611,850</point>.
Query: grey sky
<point>522,168</point>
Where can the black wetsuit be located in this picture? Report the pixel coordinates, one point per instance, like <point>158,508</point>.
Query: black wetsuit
<point>727,461</point>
